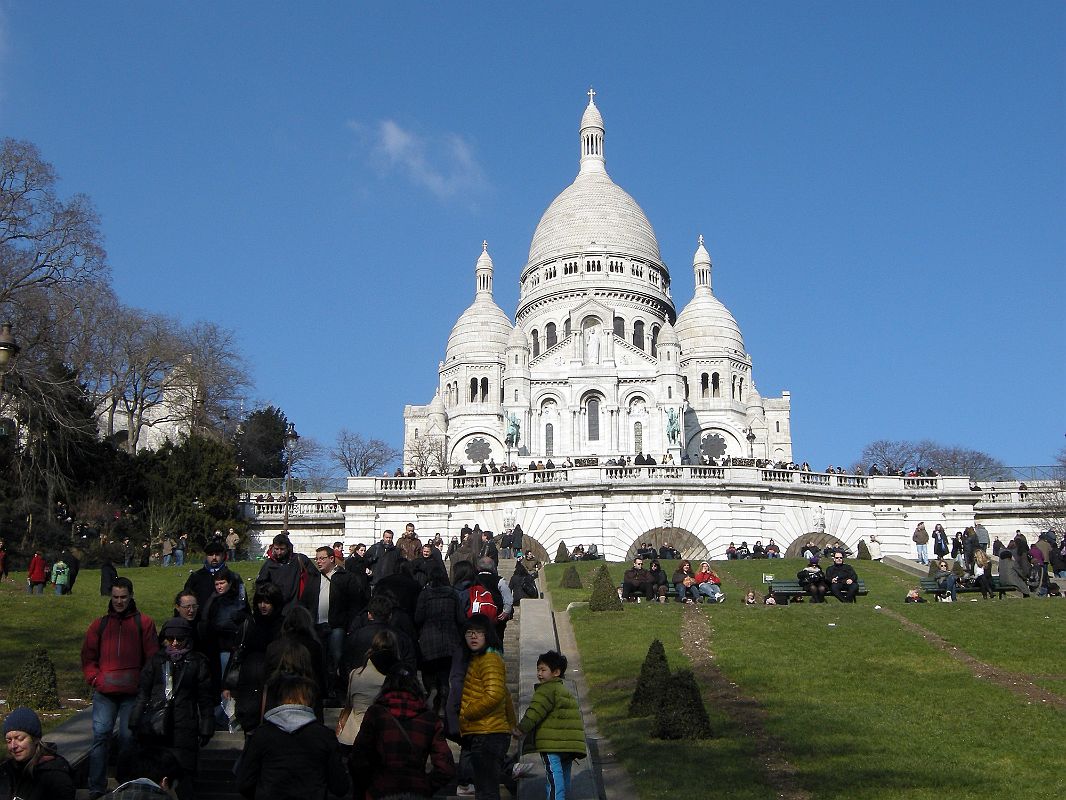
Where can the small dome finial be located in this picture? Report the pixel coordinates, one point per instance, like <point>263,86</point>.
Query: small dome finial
<point>485,245</point>
<point>592,95</point>
<point>701,239</point>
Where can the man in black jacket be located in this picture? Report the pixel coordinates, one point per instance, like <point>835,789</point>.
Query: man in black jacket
<point>843,581</point>
<point>383,558</point>
<point>202,582</point>
<point>636,582</point>
<point>286,570</point>
<point>333,596</point>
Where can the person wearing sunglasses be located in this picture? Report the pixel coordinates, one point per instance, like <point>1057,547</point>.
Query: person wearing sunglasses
<point>843,581</point>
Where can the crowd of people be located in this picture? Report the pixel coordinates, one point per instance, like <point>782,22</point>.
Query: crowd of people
<point>410,653</point>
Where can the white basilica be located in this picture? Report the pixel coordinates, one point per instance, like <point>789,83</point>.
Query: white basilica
<point>598,363</point>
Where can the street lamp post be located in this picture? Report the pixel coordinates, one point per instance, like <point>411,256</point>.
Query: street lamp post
<point>291,438</point>
<point>751,443</point>
<point>9,349</point>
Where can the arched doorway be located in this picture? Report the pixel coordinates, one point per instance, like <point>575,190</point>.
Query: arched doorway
<point>820,540</point>
<point>680,539</point>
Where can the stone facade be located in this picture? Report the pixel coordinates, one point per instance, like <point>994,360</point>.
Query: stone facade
<point>597,363</point>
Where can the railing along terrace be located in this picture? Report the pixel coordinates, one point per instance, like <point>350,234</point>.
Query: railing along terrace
<point>297,509</point>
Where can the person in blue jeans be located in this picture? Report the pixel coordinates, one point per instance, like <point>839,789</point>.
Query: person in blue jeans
<point>946,580</point>
<point>116,647</point>
<point>179,549</point>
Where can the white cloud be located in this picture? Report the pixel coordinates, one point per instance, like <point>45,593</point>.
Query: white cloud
<point>444,164</point>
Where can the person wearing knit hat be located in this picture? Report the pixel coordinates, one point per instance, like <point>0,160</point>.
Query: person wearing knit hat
<point>285,569</point>
<point>33,769</point>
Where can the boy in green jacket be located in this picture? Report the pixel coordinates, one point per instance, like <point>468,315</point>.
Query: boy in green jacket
<point>554,719</point>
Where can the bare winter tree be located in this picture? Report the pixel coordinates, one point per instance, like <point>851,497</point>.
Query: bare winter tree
<point>428,454</point>
<point>892,456</point>
<point>359,456</point>
<point>45,242</point>
<point>1050,497</point>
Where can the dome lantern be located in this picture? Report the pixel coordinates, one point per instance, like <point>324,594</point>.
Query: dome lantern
<point>592,159</point>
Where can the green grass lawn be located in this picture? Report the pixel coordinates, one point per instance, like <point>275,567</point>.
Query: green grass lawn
<point>59,623</point>
<point>861,706</point>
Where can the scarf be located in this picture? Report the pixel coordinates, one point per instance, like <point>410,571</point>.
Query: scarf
<point>176,654</point>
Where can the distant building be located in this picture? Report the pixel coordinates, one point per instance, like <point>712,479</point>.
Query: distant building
<point>598,362</point>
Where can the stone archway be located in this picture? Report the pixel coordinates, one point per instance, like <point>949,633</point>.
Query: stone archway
<point>681,539</point>
<point>820,540</point>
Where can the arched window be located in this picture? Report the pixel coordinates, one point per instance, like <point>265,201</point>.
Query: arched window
<point>733,389</point>
<point>638,335</point>
<point>654,340</point>
<point>669,392</point>
<point>740,390</point>
<point>516,395</point>
<point>704,388</point>
<point>550,339</point>
<point>549,440</point>
<point>619,327</point>
<point>716,386</point>
<point>473,390</point>
<point>593,411</point>
<point>484,390</point>
<point>566,327</point>
<point>638,437</point>
<point>536,343</point>
<point>778,426</point>
<point>685,383</point>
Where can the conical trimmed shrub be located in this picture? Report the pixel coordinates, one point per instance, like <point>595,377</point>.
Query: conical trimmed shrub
<point>562,555</point>
<point>863,551</point>
<point>34,685</point>
<point>681,713</point>
<point>571,579</point>
<point>654,674</point>
<point>604,592</point>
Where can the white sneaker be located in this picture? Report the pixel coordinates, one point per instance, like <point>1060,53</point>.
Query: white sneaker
<point>464,790</point>
<point>720,598</point>
<point>520,770</point>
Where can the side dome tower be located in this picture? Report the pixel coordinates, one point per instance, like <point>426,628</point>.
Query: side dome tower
<point>482,331</point>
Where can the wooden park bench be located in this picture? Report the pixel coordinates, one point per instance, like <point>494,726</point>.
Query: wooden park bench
<point>792,588</point>
<point>930,586</point>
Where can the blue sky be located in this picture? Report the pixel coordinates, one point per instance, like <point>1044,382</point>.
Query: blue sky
<point>882,187</point>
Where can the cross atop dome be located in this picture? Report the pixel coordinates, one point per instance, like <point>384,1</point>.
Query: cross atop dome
<point>592,137</point>
<point>485,245</point>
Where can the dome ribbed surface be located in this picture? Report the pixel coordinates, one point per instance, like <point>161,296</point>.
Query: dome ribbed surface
<point>482,330</point>
<point>705,326</point>
<point>591,118</point>
<point>593,209</point>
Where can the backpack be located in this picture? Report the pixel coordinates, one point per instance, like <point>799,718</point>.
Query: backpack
<point>481,601</point>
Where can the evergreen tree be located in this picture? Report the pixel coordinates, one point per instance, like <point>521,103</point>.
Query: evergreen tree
<point>863,551</point>
<point>562,555</point>
<point>604,592</point>
<point>34,685</point>
<point>261,443</point>
<point>680,713</point>
<point>654,673</point>
<point>571,579</point>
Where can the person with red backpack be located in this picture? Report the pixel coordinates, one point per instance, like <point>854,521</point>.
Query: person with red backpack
<point>491,596</point>
<point>287,570</point>
<point>116,648</point>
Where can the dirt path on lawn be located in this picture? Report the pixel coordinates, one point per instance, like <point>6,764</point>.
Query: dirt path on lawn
<point>1019,683</point>
<point>745,712</point>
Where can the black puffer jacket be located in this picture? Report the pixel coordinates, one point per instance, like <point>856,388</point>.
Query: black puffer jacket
<point>51,779</point>
<point>194,701</point>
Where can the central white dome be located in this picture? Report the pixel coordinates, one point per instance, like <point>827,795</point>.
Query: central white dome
<point>593,213</point>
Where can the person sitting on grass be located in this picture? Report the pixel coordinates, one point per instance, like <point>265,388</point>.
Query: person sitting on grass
<point>709,584</point>
<point>813,580</point>
<point>914,596</point>
<point>552,725</point>
<point>685,583</point>
<point>843,581</point>
<point>751,599</point>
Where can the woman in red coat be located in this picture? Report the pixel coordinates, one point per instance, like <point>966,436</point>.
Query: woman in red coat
<point>37,575</point>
